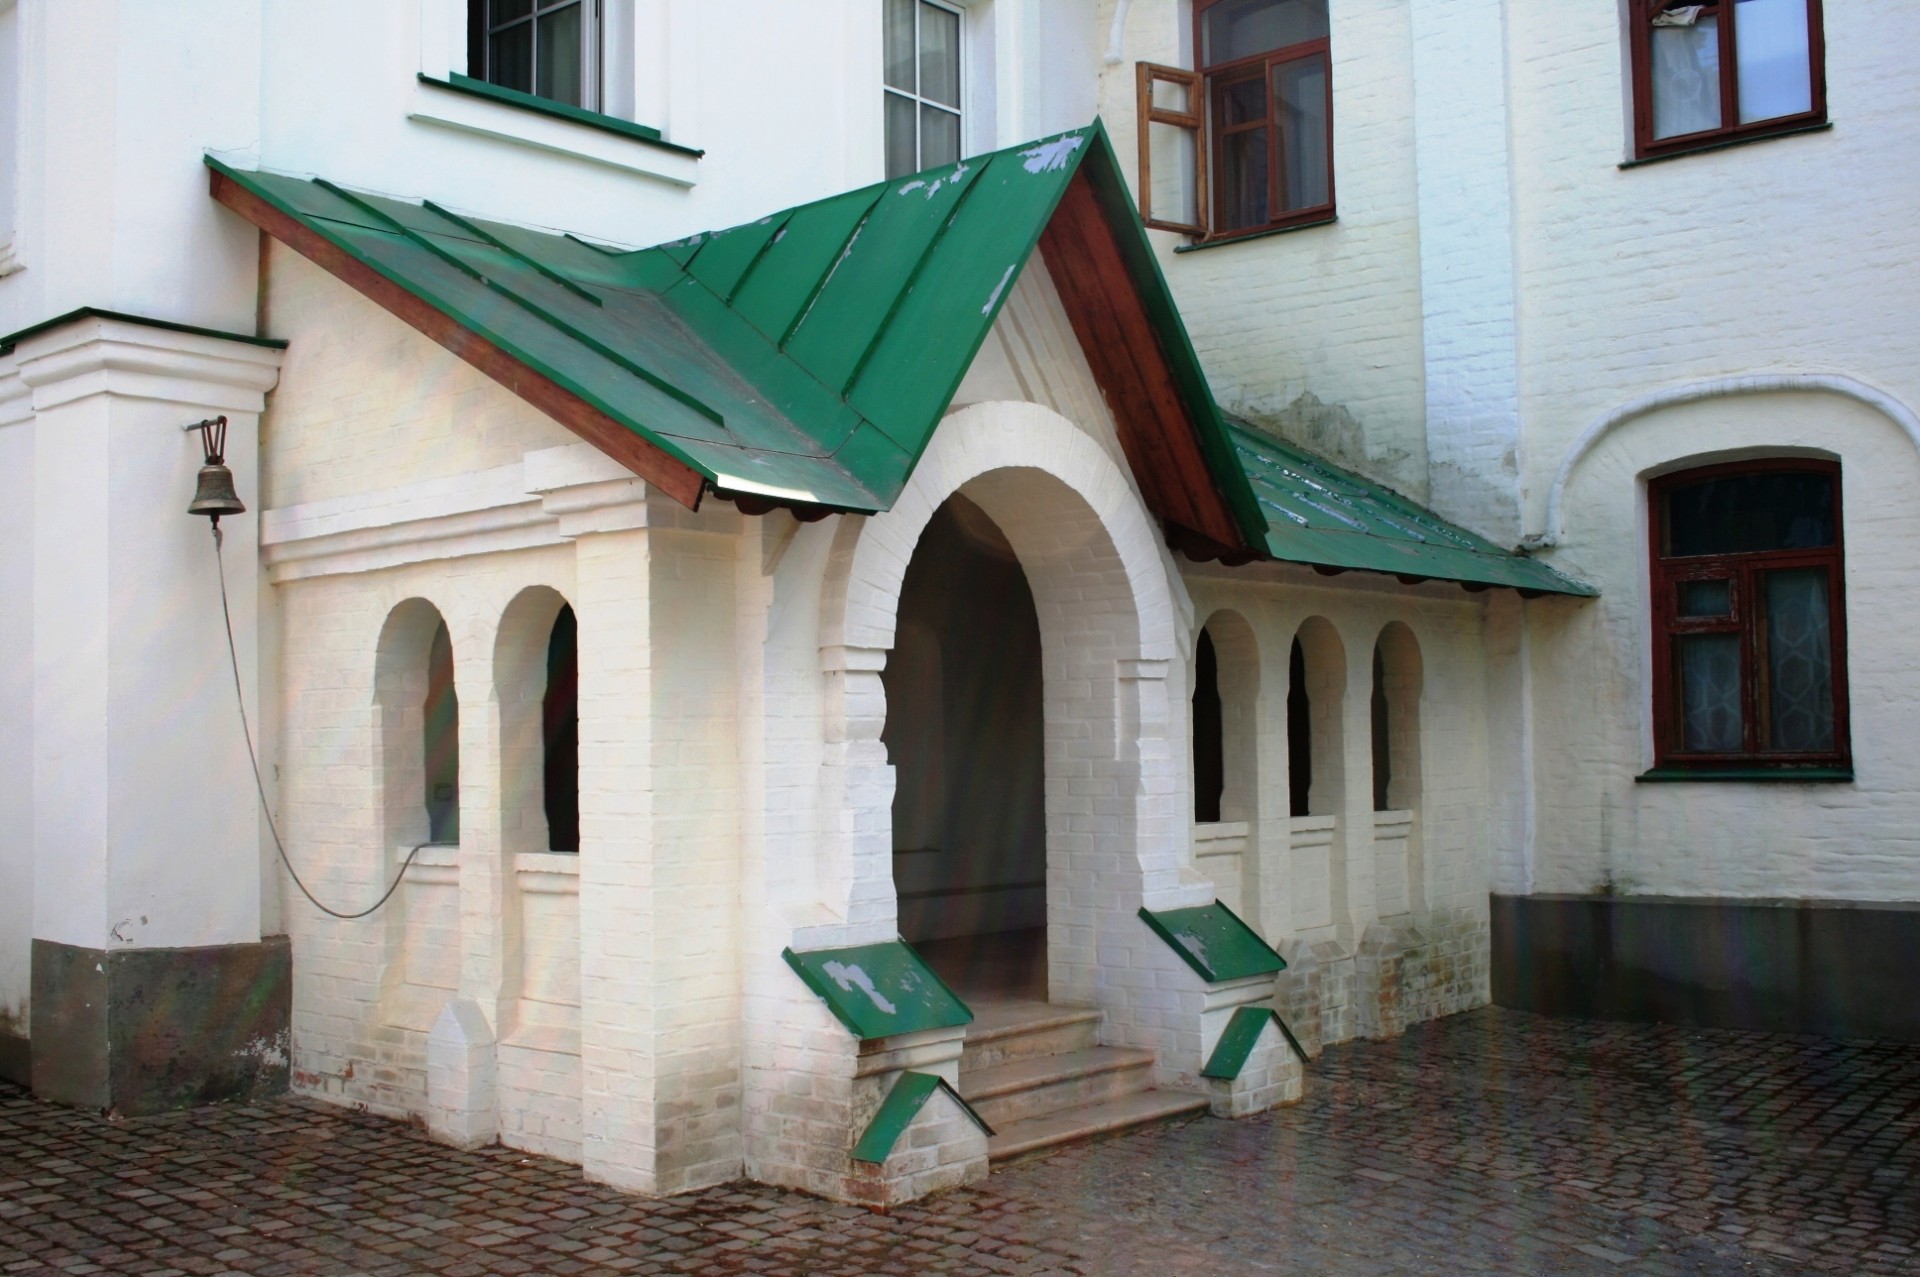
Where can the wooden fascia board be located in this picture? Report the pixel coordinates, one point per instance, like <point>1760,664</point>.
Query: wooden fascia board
<point>1123,347</point>
<point>649,462</point>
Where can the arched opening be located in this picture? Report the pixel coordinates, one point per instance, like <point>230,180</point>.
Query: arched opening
<point>560,734</point>
<point>965,735</point>
<point>1316,780</point>
<point>1226,688</point>
<point>441,735</point>
<point>1399,870</point>
<point>1209,745</point>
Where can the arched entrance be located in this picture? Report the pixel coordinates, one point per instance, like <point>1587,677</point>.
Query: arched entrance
<point>965,736</point>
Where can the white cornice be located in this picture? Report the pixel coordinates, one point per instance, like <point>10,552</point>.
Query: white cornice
<point>548,498</point>
<point>95,355</point>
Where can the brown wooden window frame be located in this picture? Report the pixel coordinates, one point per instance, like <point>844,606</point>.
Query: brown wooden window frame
<point>1745,618</point>
<point>1646,146</point>
<point>1204,85</point>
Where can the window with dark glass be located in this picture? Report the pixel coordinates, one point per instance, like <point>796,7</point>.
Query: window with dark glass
<point>1749,630</point>
<point>1244,142</point>
<point>1299,735</point>
<point>921,42</point>
<point>560,733</point>
<point>1728,69</point>
<point>549,48</point>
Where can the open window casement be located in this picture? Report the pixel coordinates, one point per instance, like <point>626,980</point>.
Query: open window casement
<point>1173,154</point>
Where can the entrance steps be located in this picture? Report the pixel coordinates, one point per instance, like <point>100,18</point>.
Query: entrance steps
<point>1037,1075</point>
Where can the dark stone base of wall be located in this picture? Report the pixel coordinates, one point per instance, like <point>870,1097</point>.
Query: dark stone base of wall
<point>138,1031</point>
<point>16,1059</point>
<point>1833,968</point>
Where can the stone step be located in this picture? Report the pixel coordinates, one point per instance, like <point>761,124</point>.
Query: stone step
<point>1003,1032</point>
<point>1065,1126</point>
<point>1020,1089</point>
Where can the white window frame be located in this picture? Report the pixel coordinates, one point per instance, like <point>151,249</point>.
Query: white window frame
<point>962,70</point>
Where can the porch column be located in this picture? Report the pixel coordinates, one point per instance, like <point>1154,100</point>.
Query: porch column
<point>152,987</point>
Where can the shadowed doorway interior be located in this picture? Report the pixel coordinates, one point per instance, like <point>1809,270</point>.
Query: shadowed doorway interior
<point>964,735</point>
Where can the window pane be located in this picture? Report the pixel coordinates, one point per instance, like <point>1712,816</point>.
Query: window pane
<point>1172,151</point>
<point>510,58</point>
<point>499,11</point>
<point>1706,598</point>
<point>939,137</point>
<point>1686,78</point>
<point>940,54</point>
<point>902,132</point>
<point>1171,95</point>
<point>441,720</point>
<point>1770,51</point>
<point>898,26</point>
<point>1242,187</point>
<point>1799,661</point>
<point>1710,693</point>
<point>1242,28</point>
<point>1300,112</point>
<point>558,46</point>
<point>1242,101</point>
<point>1742,513</point>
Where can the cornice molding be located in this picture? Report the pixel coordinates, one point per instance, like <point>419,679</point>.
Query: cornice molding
<point>97,355</point>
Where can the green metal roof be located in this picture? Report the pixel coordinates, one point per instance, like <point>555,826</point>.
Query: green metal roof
<point>1318,513</point>
<point>1215,942</point>
<point>806,358</point>
<point>909,1095</point>
<point>877,990</point>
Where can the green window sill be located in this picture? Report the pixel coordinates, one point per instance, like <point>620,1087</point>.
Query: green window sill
<point>1763,775</point>
<point>457,83</point>
<point>1224,240</point>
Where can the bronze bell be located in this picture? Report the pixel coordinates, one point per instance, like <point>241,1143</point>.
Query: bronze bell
<point>215,495</point>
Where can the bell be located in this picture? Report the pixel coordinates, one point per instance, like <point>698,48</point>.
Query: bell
<point>215,495</point>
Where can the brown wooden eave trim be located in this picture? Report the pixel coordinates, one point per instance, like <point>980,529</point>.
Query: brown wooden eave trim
<point>612,437</point>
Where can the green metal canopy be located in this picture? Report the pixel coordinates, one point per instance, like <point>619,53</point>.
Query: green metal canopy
<point>805,359</point>
<point>1318,513</point>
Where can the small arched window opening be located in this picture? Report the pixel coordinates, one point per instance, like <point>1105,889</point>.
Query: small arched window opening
<point>1382,736</point>
<point>1299,735</point>
<point>1209,744</point>
<point>560,733</point>
<point>441,715</point>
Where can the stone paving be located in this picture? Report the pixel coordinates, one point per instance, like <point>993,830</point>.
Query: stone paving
<point>1491,1142</point>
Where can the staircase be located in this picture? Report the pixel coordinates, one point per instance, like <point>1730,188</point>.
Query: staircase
<point>1036,1074</point>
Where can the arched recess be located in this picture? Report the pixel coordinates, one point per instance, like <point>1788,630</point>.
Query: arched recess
<point>1399,870</point>
<point>1102,591</point>
<point>1316,774</point>
<point>1226,757</point>
<point>416,724</point>
<point>535,684</point>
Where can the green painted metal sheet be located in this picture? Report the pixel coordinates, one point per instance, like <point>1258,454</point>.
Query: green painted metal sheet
<point>877,990</point>
<point>909,1094</point>
<point>1214,942</point>
<point>1242,1034</point>
<point>1318,513</point>
<point>808,356</point>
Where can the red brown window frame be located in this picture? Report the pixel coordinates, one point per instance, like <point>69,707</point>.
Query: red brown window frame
<point>1218,75</point>
<point>1641,44</point>
<point>1202,120</point>
<point>1745,619</point>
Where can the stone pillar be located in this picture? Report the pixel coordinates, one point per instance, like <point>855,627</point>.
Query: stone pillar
<point>152,986</point>
<point>462,1092</point>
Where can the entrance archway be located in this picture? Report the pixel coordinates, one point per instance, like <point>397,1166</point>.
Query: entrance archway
<point>965,736</point>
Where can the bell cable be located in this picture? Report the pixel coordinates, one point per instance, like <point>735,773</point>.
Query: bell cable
<point>259,786</point>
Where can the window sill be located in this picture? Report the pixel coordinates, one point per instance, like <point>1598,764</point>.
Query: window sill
<point>473,106</point>
<point>1761,775</point>
<point>1224,240</point>
<point>1726,143</point>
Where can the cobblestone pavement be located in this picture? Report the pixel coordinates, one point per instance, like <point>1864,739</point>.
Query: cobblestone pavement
<point>1490,1142</point>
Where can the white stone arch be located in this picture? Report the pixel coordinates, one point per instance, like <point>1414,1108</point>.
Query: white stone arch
<point>1117,810</point>
<point>1894,410</point>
